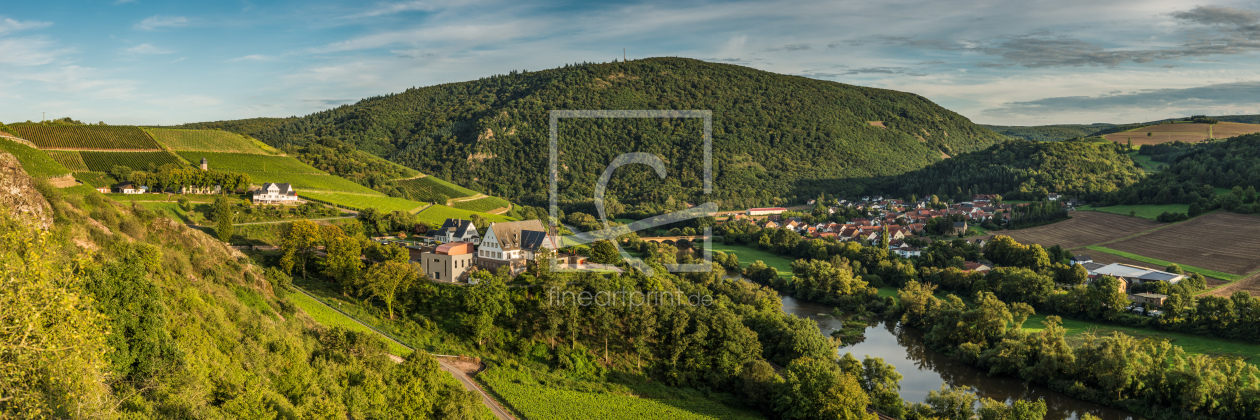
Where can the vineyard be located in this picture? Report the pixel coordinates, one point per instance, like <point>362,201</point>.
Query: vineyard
<point>68,158</point>
<point>534,400</point>
<point>36,163</point>
<point>310,182</point>
<point>427,188</point>
<point>86,137</point>
<point>144,161</point>
<point>205,140</point>
<point>95,179</point>
<point>241,162</point>
<point>360,202</point>
<point>436,214</point>
<point>481,204</point>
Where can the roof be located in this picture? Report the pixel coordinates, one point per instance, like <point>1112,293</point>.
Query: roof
<point>1092,266</point>
<point>1135,272</point>
<point>960,224</point>
<point>454,248</point>
<point>1082,257</point>
<point>510,234</point>
<point>768,209</point>
<point>1152,295</point>
<point>284,187</point>
<point>457,228</point>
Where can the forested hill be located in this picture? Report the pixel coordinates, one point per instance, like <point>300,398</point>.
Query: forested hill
<point>1023,170</point>
<point>774,135</point>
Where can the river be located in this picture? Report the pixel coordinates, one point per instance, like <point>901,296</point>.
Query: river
<point>924,370</point>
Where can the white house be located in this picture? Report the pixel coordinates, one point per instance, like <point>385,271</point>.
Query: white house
<point>275,193</point>
<point>1135,274</point>
<point>455,230</point>
<point>513,244</point>
<point>129,188</point>
<point>762,211</point>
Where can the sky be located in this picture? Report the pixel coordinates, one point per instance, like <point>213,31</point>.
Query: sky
<point>995,62</point>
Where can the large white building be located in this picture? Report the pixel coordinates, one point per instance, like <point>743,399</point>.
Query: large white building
<point>1132,273</point>
<point>275,193</point>
<point>513,244</point>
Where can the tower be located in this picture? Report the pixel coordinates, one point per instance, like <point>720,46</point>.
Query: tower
<point>205,165</point>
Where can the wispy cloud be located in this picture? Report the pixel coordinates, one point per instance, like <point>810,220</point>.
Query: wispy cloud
<point>1217,96</point>
<point>148,49</point>
<point>253,57</point>
<point>158,22</point>
<point>8,25</point>
<point>381,9</point>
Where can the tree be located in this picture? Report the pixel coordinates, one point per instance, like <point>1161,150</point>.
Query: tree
<point>480,223</point>
<point>604,252</point>
<point>952,403</point>
<point>298,244</point>
<point>343,263</point>
<point>385,280</point>
<point>224,217</point>
<point>1175,269</point>
<point>817,389</point>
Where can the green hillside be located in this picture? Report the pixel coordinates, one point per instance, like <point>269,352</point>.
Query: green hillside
<point>1057,132</point>
<point>1022,170</point>
<point>773,135</point>
<point>37,163</point>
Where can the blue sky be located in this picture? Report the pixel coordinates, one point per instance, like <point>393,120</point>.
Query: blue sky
<point>998,62</point>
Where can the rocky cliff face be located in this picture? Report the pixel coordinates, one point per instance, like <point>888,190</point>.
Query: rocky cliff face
<point>19,196</point>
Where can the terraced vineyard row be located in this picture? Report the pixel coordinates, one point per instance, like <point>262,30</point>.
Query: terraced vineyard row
<point>242,162</point>
<point>304,182</point>
<point>481,204</point>
<point>436,214</point>
<point>86,137</point>
<point>105,161</point>
<point>360,202</point>
<point>428,188</point>
<point>69,158</point>
<point>205,140</point>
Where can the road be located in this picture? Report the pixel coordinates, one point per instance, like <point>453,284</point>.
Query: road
<point>443,362</point>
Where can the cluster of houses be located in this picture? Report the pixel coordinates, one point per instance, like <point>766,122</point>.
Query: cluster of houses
<point>901,218</point>
<point>452,251</point>
<point>269,193</point>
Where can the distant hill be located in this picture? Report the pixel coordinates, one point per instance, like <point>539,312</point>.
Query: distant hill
<point>1058,132</point>
<point>774,136</point>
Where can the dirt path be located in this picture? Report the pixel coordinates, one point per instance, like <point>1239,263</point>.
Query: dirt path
<point>414,177</point>
<point>501,210</point>
<point>273,222</point>
<point>468,198</point>
<point>460,369</point>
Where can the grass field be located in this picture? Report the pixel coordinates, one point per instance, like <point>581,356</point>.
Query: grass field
<point>307,182</point>
<point>537,400</point>
<point>360,202</point>
<point>1192,344</point>
<point>437,214</point>
<point>331,318</point>
<point>105,161</point>
<point>1160,264</point>
<point>72,160</point>
<point>428,187</point>
<point>204,141</point>
<point>86,137</point>
<point>749,255</point>
<point>1145,211</point>
<point>241,162</point>
<point>481,204</point>
<point>1221,241</point>
<point>1145,162</point>
<point>37,163</point>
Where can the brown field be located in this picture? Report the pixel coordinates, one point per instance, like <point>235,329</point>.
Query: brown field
<point>1250,285</point>
<point>1084,228</point>
<point>1221,241</point>
<point>1186,132</point>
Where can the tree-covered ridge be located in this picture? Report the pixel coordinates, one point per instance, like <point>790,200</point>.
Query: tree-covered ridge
<point>774,136</point>
<point>1020,169</point>
<point>1057,132</point>
<point>1195,171</point>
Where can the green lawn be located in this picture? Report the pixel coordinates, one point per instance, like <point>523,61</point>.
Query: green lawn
<point>360,202</point>
<point>1193,344</point>
<point>549,399</point>
<point>748,255</point>
<point>1146,163</point>
<point>36,163</point>
<point>1162,264</point>
<point>437,214</point>
<point>331,318</point>
<point>1147,211</point>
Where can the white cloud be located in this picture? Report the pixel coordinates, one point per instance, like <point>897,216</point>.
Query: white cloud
<point>28,51</point>
<point>253,57</point>
<point>148,49</point>
<point>392,8</point>
<point>158,21</point>
<point>8,25</point>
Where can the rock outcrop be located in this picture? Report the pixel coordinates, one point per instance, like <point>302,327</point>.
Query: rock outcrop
<point>18,195</point>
